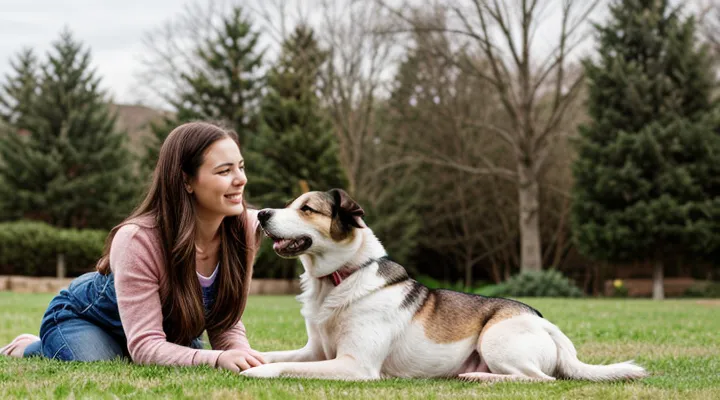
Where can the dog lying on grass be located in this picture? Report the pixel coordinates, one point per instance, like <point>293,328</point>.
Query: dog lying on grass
<point>367,319</point>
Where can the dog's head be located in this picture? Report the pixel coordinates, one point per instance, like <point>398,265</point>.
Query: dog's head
<point>316,223</point>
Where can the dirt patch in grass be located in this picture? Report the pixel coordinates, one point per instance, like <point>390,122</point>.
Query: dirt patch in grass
<point>709,302</point>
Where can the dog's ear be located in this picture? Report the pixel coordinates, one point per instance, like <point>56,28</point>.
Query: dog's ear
<point>346,213</point>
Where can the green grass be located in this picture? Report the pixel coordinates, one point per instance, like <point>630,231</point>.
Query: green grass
<point>677,340</point>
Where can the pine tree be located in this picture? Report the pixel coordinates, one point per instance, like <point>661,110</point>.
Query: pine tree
<point>392,206</point>
<point>19,90</point>
<point>224,86</point>
<point>70,166</point>
<point>159,131</point>
<point>647,175</point>
<point>17,95</point>
<point>295,149</point>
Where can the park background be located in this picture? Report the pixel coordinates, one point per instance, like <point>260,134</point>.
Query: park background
<point>483,139</point>
<point>536,149</point>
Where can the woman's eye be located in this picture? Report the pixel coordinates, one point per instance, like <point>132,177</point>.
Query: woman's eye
<point>225,172</point>
<point>307,208</point>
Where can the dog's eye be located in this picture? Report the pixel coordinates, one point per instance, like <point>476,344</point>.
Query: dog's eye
<point>307,208</point>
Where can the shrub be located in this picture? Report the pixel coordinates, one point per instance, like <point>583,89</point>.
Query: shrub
<point>458,286</point>
<point>428,281</point>
<point>31,248</point>
<point>548,283</point>
<point>82,248</point>
<point>704,289</point>
<point>619,289</point>
<point>497,290</point>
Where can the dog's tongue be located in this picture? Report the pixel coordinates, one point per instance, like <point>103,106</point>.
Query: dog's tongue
<point>279,244</point>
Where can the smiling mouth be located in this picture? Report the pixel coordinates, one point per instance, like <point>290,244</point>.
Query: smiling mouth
<point>234,197</point>
<point>290,247</point>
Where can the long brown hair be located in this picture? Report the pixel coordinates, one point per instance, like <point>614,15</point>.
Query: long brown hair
<point>173,210</point>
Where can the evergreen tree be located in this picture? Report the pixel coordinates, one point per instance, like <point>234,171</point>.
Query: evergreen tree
<point>69,166</point>
<point>17,94</point>
<point>648,171</point>
<point>295,149</point>
<point>159,131</point>
<point>392,205</point>
<point>224,85</point>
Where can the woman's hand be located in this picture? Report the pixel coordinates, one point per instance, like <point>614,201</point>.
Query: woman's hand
<point>240,360</point>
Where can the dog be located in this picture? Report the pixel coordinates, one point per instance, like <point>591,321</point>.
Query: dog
<point>366,319</point>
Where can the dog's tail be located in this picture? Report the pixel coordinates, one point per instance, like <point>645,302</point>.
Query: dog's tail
<point>570,367</point>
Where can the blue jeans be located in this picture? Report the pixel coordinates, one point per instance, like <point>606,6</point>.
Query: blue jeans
<point>82,323</point>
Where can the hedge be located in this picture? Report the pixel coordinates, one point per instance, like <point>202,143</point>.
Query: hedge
<point>30,248</point>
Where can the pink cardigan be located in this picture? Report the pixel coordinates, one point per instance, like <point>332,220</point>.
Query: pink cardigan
<point>137,263</point>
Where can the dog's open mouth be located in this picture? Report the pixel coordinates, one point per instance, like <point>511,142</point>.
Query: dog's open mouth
<point>290,247</point>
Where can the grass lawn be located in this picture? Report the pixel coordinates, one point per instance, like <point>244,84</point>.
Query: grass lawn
<point>677,340</point>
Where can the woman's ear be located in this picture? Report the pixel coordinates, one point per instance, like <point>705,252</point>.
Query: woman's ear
<point>186,183</point>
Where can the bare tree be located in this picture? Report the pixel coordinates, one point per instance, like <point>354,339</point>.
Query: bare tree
<point>355,78</point>
<point>170,50</point>
<point>535,91</point>
<point>708,13</point>
<point>439,116</point>
<point>354,85</point>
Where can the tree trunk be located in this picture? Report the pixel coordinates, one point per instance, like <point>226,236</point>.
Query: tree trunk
<point>658,289</point>
<point>468,274</point>
<point>495,272</point>
<point>596,288</point>
<point>60,266</point>
<point>529,202</point>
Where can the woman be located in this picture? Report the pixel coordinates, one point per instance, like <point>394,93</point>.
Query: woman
<point>180,264</point>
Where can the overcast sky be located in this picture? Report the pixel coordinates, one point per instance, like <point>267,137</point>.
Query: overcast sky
<point>113,29</point>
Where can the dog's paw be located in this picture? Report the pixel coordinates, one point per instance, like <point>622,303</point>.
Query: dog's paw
<point>263,371</point>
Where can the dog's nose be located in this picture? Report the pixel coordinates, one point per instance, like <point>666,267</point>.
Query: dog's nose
<point>264,215</point>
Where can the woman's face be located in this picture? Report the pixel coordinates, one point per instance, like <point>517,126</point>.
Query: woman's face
<point>220,181</point>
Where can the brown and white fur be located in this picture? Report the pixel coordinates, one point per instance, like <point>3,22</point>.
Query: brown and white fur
<point>378,322</point>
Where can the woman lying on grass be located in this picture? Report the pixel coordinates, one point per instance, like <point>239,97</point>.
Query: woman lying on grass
<point>180,264</point>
